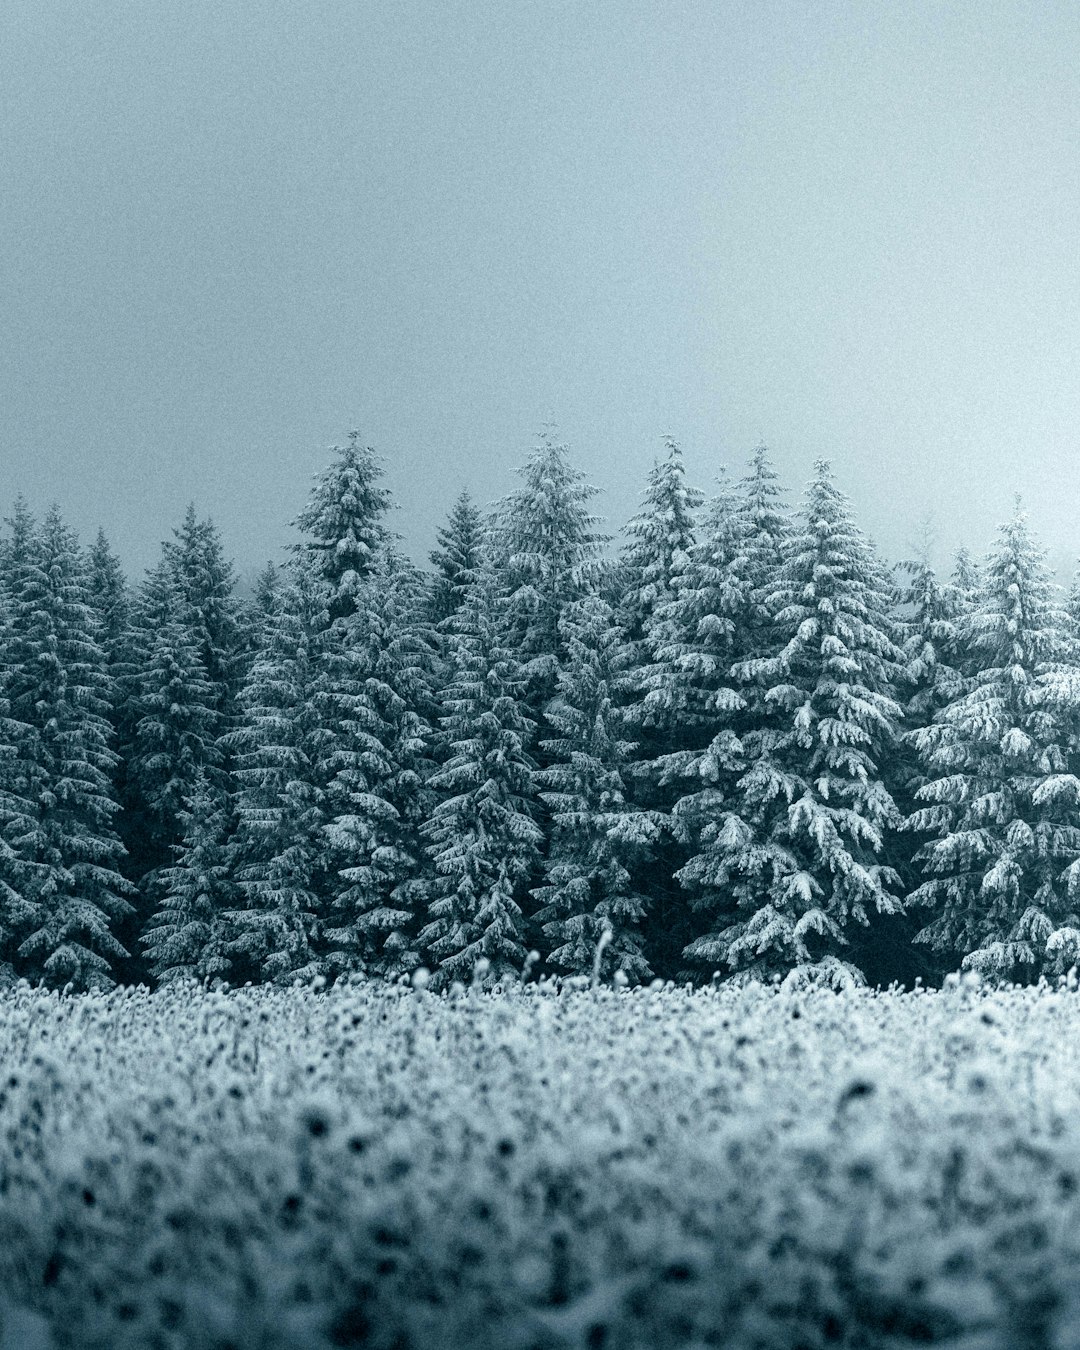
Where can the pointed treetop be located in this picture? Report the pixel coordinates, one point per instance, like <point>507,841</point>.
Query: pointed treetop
<point>344,522</point>
<point>459,554</point>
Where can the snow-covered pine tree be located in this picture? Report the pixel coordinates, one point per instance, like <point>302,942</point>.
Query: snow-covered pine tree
<point>694,640</point>
<point>597,836</point>
<point>763,533</point>
<point>175,733</point>
<point>179,682</point>
<point>546,555</point>
<point>724,613</point>
<point>1000,803</point>
<point>482,837</point>
<point>966,574</point>
<point>17,874</point>
<point>254,614</point>
<point>660,539</point>
<point>932,643</point>
<point>457,558</point>
<point>683,705</point>
<point>263,604</point>
<point>56,818</point>
<point>188,935</point>
<point>192,584</point>
<point>695,706</point>
<point>345,523</point>
<point>380,696</point>
<point>280,749</point>
<point>200,577</point>
<point>799,844</point>
<point>108,592</point>
<point>964,588</point>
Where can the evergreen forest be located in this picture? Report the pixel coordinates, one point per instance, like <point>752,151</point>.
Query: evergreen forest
<point>731,744</point>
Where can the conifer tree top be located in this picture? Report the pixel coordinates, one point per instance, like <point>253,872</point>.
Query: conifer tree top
<point>344,520</point>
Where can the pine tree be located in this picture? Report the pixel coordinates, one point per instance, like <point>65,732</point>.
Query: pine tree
<point>964,589</point>
<point>798,846</point>
<point>597,836</point>
<point>1000,802</point>
<point>16,811</point>
<point>457,558</point>
<point>185,659</point>
<point>189,934</point>
<point>379,691</point>
<point>108,593</point>
<point>694,638</point>
<point>763,534</point>
<point>695,711</point>
<point>61,854</point>
<point>280,748</point>
<point>546,552</point>
<point>660,540</point>
<point>684,704</point>
<point>264,601</point>
<point>198,575</point>
<point>175,734</point>
<point>482,836</point>
<point>345,524</point>
<point>932,645</point>
<point>254,615</point>
<point>721,618</point>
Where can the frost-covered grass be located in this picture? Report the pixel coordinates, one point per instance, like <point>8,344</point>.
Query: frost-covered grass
<point>384,1167</point>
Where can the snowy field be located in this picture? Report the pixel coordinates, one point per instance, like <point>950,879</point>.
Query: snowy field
<point>381,1166</point>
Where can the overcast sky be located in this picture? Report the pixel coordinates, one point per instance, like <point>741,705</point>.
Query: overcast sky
<point>231,231</point>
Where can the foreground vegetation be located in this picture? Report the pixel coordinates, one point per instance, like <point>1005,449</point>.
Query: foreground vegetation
<point>378,1165</point>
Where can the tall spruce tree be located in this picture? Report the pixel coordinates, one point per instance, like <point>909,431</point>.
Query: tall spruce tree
<point>683,707</point>
<point>694,637</point>
<point>457,558</point>
<point>546,552</point>
<point>17,873</point>
<point>379,694</point>
<point>930,617</point>
<point>1000,802</point>
<point>109,595</point>
<point>598,838</point>
<point>188,935</point>
<point>798,846</point>
<point>280,752</point>
<point>660,539</point>
<point>180,684</point>
<point>345,524</point>
<point>482,836</point>
<point>175,733</point>
<point>56,818</point>
<point>201,578</point>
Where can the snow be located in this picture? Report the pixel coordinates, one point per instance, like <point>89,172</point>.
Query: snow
<point>747,1167</point>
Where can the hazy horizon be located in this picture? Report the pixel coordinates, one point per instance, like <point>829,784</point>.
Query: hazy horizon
<point>230,234</point>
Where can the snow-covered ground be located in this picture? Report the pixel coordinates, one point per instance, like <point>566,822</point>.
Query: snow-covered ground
<point>380,1166</point>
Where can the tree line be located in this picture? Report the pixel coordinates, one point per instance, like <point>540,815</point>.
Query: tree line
<point>737,745</point>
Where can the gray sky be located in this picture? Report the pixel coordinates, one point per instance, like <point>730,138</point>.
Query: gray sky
<point>231,231</point>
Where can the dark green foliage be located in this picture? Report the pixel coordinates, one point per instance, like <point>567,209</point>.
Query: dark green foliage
<point>545,556</point>
<point>379,689</point>
<point>483,839</point>
<point>281,751</point>
<point>188,935</point>
<point>799,843</point>
<point>998,808</point>
<point>458,558</point>
<point>597,837</point>
<point>344,524</point>
<point>691,758</point>
<point>59,865</point>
